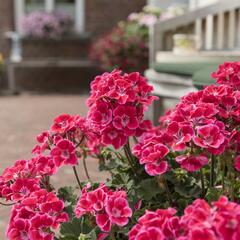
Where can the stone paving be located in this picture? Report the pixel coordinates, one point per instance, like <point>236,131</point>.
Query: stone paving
<point>21,119</point>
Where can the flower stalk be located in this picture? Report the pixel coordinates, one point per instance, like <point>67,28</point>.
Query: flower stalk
<point>212,171</point>
<point>202,183</point>
<point>85,168</point>
<point>77,177</point>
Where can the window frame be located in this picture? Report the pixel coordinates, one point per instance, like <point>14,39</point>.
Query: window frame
<point>79,18</point>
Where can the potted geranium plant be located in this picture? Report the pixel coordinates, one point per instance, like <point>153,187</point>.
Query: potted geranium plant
<point>178,180</point>
<point>127,46</point>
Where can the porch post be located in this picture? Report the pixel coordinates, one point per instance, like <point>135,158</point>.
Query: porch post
<point>80,16</point>
<point>19,11</point>
<point>49,5</point>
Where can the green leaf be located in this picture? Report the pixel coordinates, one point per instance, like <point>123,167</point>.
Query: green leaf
<point>91,236</point>
<point>68,238</point>
<point>71,229</point>
<point>148,188</point>
<point>213,194</point>
<point>67,194</point>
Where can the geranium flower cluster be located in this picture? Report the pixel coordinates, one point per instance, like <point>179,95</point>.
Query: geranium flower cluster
<point>200,221</point>
<point>228,74</point>
<point>26,183</point>
<point>109,208</point>
<point>117,104</point>
<point>126,45</point>
<point>204,123</point>
<point>40,24</point>
<point>121,48</point>
<point>203,126</point>
<point>65,140</point>
<point>36,216</point>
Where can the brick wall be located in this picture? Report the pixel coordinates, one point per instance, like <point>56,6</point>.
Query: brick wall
<point>67,48</point>
<point>102,15</point>
<point>6,24</point>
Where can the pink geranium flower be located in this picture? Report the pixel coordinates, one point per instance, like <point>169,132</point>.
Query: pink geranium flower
<point>122,91</point>
<point>21,188</point>
<point>152,154</point>
<point>153,233</point>
<point>62,123</point>
<point>101,114</point>
<point>118,209</point>
<point>103,222</point>
<point>125,118</point>
<point>155,225</point>
<point>39,224</point>
<point>32,219</point>
<point>110,208</point>
<point>112,136</point>
<point>192,163</point>
<point>209,136</point>
<point>237,163</point>
<point>182,135</point>
<point>64,153</point>
<point>228,74</point>
<point>97,198</point>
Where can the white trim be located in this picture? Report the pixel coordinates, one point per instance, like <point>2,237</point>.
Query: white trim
<point>19,12</point>
<point>209,32</point>
<point>231,29</point>
<point>193,4</point>
<point>198,32</point>
<point>49,5</point>
<point>220,30</point>
<point>80,16</point>
<point>238,30</point>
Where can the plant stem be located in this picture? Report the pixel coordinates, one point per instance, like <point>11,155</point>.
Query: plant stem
<point>101,158</point>
<point>112,235</point>
<point>128,157</point>
<point>223,177</point>
<point>167,191</point>
<point>162,183</point>
<point>202,183</point>
<point>85,168</point>
<point>212,173</point>
<point>232,185</point>
<point>130,160</point>
<point>77,178</point>
<point>129,151</point>
<point>6,204</point>
<point>118,155</point>
<point>80,142</point>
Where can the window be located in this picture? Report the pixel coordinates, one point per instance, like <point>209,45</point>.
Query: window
<point>66,5</point>
<point>33,5</point>
<point>76,8</point>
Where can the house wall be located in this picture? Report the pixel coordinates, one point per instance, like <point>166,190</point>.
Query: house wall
<point>6,24</point>
<point>102,15</point>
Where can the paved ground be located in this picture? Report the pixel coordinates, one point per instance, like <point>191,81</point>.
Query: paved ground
<point>21,119</point>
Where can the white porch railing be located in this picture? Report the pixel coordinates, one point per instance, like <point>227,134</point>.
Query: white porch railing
<point>217,25</point>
